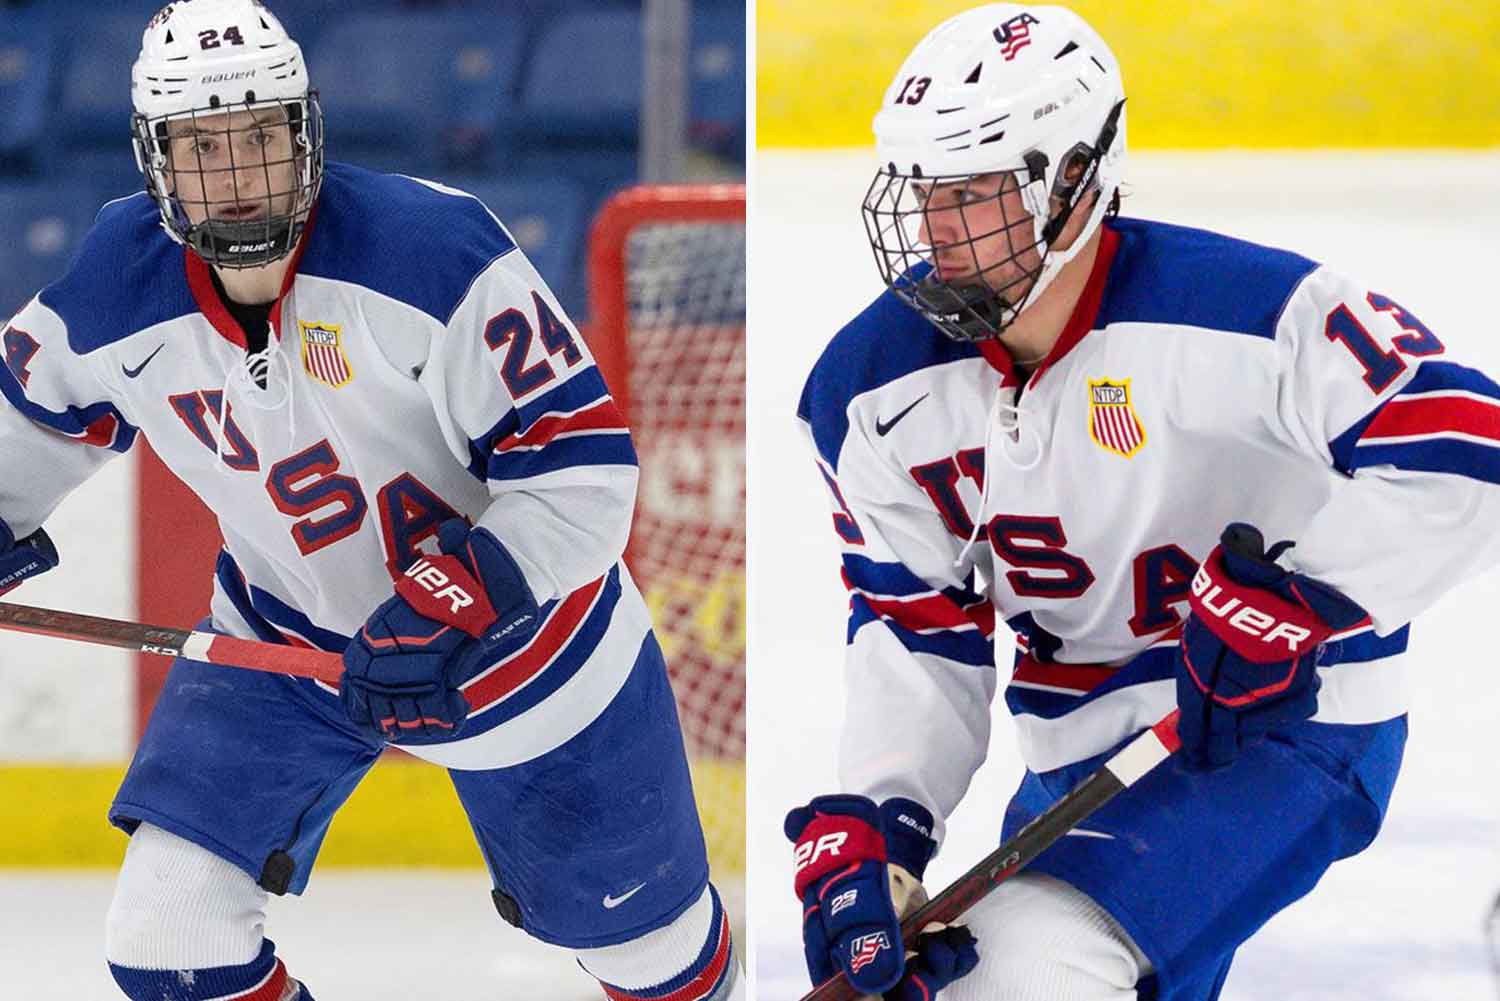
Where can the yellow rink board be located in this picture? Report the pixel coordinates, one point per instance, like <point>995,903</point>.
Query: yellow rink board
<point>1200,74</point>
<point>402,814</point>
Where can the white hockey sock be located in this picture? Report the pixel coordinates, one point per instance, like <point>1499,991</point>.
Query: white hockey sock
<point>1040,939</point>
<point>180,907</point>
<point>694,952</point>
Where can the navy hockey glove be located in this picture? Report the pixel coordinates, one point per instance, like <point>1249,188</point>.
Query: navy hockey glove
<point>32,555</point>
<point>1247,661</point>
<point>403,671</point>
<point>849,856</point>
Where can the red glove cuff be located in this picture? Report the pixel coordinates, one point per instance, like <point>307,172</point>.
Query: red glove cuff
<point>441,588</point>
<point>831,842</point>
<point>1255,623</point>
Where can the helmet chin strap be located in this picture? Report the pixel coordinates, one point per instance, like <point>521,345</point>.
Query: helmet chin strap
<point>241,244</point>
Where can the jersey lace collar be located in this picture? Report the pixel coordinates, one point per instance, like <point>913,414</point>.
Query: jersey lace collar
<point>211,304</point>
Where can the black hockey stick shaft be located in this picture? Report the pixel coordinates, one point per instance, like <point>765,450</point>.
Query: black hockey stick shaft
<point>1120,772</point>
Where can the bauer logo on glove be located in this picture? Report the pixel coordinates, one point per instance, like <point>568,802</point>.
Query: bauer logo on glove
<point>1268,627</point>
<point>1247,662</point>
<point>404,672</point>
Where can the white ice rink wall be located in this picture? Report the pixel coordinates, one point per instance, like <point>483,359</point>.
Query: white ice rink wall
<point>1401,921</point>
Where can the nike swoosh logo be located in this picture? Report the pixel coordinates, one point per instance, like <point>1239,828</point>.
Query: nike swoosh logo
<point>1079,832</point>
<point>131,373</point>
<point>610,903</point>
<point>881,427</point>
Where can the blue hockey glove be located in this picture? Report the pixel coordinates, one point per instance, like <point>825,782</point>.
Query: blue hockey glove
<point>942,957</point>
<point>403,671</point>
<point>1249,648</point>
<point>849,855</point>
<point>28,557</point>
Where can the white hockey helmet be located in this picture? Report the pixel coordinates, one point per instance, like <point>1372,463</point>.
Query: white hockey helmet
<point>1029,93</point>
<point>201,61</point>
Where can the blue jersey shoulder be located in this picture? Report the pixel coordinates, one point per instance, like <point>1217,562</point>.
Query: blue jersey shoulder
<point>401,238</point>
<point>886,341</point>
<point>127,275</point>
<point>1177,275</point>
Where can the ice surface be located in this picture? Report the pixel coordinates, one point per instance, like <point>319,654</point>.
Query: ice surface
<point>355,935</point>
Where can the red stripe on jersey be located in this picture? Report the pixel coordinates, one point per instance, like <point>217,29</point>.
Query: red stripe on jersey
<point>201,285</point>
<point>927,610</point>
<point>102,432</point>
<point>1074,677</point>
<point>932,612</point>
<point>1436,415</point>
<point>982,614</point>
<point>1086,309</point>
<point>700,986</point>
<point>601,416</point>
<point>526,663</point>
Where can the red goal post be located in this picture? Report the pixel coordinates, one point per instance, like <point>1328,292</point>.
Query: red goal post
<point>666,270</point>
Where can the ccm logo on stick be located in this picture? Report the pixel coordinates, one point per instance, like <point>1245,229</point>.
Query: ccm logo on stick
<point>1251,621</point>
<point>439,583</point>
<point>808,851</point>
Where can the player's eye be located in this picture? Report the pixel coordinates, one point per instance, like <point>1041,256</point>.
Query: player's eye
<point>260,137</point>
<point>205,146</point>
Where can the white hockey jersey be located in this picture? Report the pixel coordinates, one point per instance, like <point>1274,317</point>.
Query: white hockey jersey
<point>422,370</point>
<point>1201,381</point>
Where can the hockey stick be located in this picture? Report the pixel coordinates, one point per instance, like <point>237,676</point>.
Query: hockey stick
<point>1120,772</point>
<point>194,644</point>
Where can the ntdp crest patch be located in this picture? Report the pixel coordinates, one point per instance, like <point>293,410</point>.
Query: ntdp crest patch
<point>1112,421</point>
<point>323,355</point>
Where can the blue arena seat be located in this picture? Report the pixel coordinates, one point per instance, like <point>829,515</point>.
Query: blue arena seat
<point>41,224</point>
<point>89,130</point>
<point>410,90</point>
<point>583,80</point>
<point>548,216</point>
<point>308,20</point>
<point>27,60</point>
<point>716,68</point>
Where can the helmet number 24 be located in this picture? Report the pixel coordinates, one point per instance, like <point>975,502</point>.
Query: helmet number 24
<point>211,39</point>
<point>917,86</point>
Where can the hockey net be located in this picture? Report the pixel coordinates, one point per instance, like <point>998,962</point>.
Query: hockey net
<point>667,325</point>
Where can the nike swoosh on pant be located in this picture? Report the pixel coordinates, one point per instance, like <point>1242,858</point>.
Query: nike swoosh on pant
<point>610,903</point>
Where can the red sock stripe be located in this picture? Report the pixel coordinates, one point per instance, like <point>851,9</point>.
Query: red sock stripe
<point>700,986</point>
<point>268,989</point>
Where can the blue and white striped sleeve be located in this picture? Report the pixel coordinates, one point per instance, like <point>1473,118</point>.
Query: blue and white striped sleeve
<point>58,422</point>
<point>1414,436</point>
<point>920,669</point>
<point>540,428</point>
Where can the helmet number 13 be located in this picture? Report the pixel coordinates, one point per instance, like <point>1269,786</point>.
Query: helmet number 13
<point>913,89</point>
<point>211,39</point>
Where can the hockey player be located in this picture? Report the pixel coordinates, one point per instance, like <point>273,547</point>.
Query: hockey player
<point>1099,430</point>
<point>413,460</point>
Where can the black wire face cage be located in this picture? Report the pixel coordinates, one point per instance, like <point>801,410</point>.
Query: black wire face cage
<point>963,250</point>
<point>969,265</point>
<point>236,183</point>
